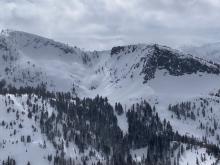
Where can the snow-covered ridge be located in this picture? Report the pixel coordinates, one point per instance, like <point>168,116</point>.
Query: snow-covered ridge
<point>21,40</point>
<point>35,59</point>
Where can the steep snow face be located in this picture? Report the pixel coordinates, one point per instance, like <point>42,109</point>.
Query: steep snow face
<point>39,47</point>
<point>134,72</point>
<point>36,59</point>
<point>207,51</point>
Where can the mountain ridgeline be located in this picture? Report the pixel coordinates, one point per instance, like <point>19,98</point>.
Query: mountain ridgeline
<point>174,62</point>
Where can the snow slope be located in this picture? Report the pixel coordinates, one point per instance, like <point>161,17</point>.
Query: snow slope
<point>11,133</point>
<point>15,123</point>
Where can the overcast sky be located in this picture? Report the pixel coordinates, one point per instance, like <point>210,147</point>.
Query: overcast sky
<point>101,24</point>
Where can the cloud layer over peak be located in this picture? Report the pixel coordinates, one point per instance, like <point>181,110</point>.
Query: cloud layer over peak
<point>101,24</point>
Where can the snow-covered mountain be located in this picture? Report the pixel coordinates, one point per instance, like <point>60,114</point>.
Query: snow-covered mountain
<point>181,89</point>
<point>28,59</point>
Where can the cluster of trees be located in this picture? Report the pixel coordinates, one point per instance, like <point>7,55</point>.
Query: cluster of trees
<point>146,129</point>
<point>191,109</point>
<point>87,122</point>
<point>9,161</point>
<point>184,109</point>
<point>217,93</point>
<point>92,123</point>
<point>119,108</point>
<point>196,110</point>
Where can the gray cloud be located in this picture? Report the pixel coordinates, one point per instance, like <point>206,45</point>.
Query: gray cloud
<point>101,24</point>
